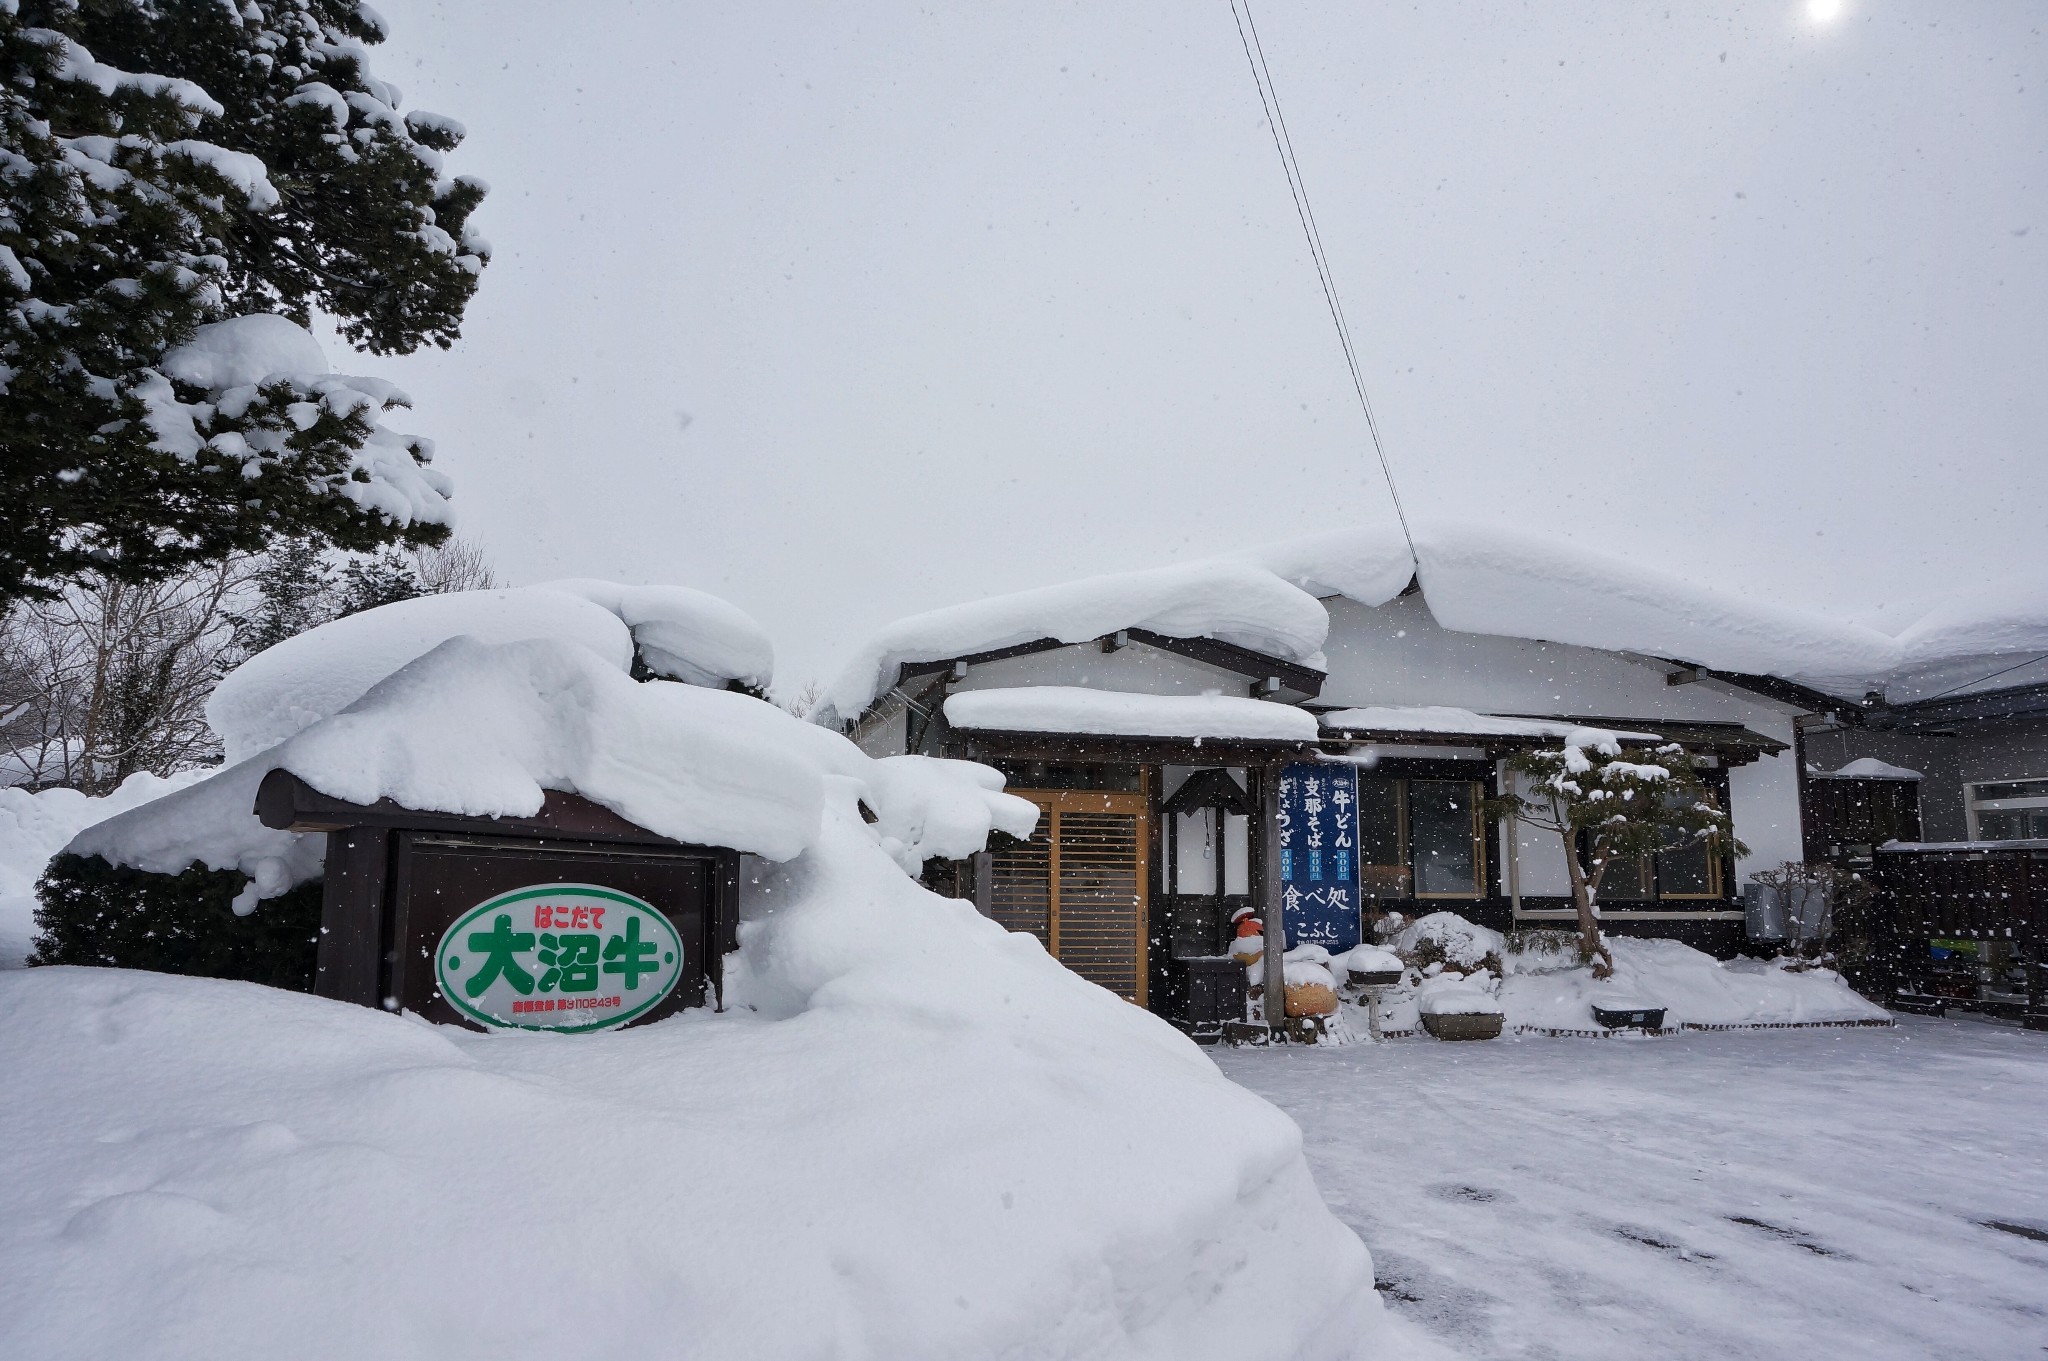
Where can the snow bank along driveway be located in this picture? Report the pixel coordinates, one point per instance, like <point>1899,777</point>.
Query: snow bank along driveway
<point>1819,1195</point>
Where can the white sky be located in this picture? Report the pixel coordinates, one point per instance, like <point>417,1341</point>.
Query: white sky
<point>847,311</point>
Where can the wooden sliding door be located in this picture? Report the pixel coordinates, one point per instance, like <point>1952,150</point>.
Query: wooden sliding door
<point>1079,884</point>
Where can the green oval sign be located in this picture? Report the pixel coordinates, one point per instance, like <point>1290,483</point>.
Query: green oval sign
<point>567,957</point>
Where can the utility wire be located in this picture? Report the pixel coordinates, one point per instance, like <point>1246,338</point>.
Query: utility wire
<point>1981,679</point>
<point>1283,142</point>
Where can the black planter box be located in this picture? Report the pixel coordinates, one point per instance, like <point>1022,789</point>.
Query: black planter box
<point>1213,988</point>
<point>1630,1018</point>
<point>1372,978</point>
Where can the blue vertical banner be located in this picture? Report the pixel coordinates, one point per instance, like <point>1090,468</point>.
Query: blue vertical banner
<point>1317,838</point>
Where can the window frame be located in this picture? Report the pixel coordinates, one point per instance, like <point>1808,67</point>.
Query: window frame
<point>1402,775</point>
<point>1974,805</point>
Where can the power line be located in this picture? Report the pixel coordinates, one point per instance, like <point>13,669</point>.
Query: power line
<point>1283,142</point>
<point>2043,656</point>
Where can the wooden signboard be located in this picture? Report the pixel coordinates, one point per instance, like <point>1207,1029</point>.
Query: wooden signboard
<point>572,920</point>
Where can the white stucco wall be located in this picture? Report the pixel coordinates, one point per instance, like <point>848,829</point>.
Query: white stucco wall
<point>1397,654</point>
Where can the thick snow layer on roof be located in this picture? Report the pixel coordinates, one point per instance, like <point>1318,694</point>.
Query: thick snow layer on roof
<point>682,634</point>
<point>484,730</point>
<point>2006,618</point>
<point>321,672</point>
<point>1231,601</point>
<point>34,827</point>
<point>1363,565</point>
<point>685,634</point>
<point>1494,579</point>
<point>1478,578</point>
<point>1869,768</point>
<point>1491,579</point>
<point>912,1134</point>
<point>1437,718</point>
<point>1076,709</point>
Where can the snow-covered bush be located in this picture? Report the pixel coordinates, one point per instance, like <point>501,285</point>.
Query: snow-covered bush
<point>1445,941</point>
<point>113,916</point>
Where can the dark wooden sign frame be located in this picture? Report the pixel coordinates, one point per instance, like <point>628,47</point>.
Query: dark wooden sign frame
<point>389,868</point>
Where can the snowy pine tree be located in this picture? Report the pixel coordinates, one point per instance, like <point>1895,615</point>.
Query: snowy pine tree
<point>165,168</point>
<point>291,586</point>
<point>381,580</point>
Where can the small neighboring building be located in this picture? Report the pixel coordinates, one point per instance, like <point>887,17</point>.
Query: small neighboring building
<point>1311,729</point>
<point>1937,784</point>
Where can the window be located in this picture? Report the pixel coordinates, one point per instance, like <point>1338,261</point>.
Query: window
<point>1421,838</point>
<point>2009,810</point>
<point>1688,870</point>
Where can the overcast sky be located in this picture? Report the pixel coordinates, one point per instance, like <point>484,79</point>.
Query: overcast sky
<point>846,311</point>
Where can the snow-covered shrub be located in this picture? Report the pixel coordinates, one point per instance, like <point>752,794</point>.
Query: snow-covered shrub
<point>1528,949</point>
<point>1449,942</point>
<point>110,915</point>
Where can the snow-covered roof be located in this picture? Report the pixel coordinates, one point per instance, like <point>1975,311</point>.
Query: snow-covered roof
<point>681,633</point>
<point>1077,709</point>
<point>486,729</point>
<point>1436,718</point>
<point>1500,580</point>
<point>1231,601</point>
<point>1868,768</point>
<point>1491,579</point>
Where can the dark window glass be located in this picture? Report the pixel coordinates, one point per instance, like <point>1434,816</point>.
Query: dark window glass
<point>1383,859</point>
<point>2008,826</point>
<point>1686,872</point>
<point>1628,880</point>
<point>1443,836</point>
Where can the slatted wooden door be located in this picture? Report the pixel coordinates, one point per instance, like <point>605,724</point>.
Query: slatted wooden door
<point>1079,884</point>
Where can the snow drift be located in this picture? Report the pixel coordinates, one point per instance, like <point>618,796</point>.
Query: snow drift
<point>911,1133</point>
<point>914,1135</point>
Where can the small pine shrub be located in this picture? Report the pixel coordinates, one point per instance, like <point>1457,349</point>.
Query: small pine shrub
<point>112,916</point>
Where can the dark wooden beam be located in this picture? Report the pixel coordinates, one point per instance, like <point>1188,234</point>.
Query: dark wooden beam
<point>289,804</point>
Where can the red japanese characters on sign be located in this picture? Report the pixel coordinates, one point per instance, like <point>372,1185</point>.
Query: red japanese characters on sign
<point>554,917</point>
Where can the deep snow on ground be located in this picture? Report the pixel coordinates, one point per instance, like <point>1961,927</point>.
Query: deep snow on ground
<point>1811,1194</point>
